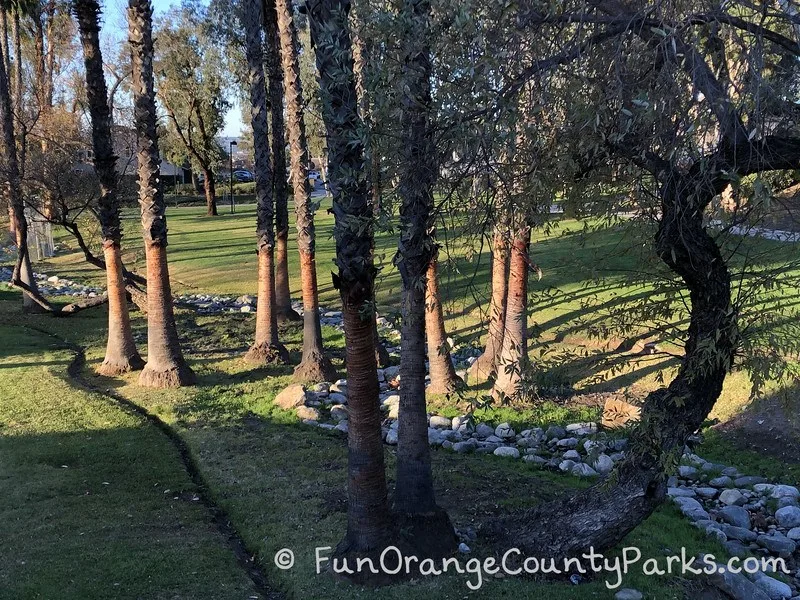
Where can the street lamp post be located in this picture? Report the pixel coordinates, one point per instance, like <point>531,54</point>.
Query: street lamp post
<point>230,156</point>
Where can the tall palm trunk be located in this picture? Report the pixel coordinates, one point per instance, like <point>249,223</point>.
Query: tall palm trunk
<point>371,156</point>
<point>121,354</point>
<point>443,374</point>
<point>314,366</point>
<point>369,526</point>
<point>514,352</point>
<point>266,348</point>
<point>279,185</point>
<point>427,526</point>
<point>165,366</point>
<point>22,270</point>
<point>486,365</point>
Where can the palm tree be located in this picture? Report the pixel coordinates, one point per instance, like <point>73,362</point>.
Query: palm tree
<point>369,526</point>
<point>427,526</point>
<point>165,366</point>
<point>485,366</point>
<point>443,374</point>
<point>23,273</point>
<point>283,299</point>
<point>266,348</point>
<point>314,366</point>
<point>121,354</point>
<point>514,351</point>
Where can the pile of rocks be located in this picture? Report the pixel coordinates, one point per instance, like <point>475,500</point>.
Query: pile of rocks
<point>56,286</point>
<point>746,514</point>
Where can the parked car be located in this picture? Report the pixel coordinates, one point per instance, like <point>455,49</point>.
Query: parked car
<point>243,176</point>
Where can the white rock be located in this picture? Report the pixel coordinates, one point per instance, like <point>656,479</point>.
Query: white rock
<point>506,451</point>
<point>603,464</point>
<point>440,422</point>
<point>583,470</point>
<point>776,590</point>
<point>788,516</point>
<point>504,431</point>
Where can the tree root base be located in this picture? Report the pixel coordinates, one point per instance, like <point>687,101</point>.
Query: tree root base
<point>176,375</point>
<point>314,369</point>
<point>287,315</point>
<point>267,354</point>
<point>119,366</point>
<point>448,386</point>
<point>481,370</point>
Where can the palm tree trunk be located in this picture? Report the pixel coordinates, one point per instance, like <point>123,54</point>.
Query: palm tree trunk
<point>514,351</point>
<point>369,526</point>
<point>314,366</point>
<point>280,188</point>
<point>266,348</point>
<point>121,354</point>
<point>165,366</point>
<point>426,527</point>
<point>485,366</point>
<point>23,273</point>
<point>443,374</point>
<point>211,193</point>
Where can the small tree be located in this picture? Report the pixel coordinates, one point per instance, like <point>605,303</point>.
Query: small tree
<point>191,80</point>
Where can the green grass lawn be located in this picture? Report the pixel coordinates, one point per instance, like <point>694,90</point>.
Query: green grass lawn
<point>281,483</point>
<point>69,535</point>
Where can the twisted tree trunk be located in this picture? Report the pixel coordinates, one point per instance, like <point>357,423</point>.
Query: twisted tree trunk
<point>266,348</point>
<point>426,526</point>
<point>314,366</point>
<point>601,516</point>
<point>210,190</point>
<point>443,374</point>
<point>165,366</point>
<point>369,526</point>
<point>514,352</point>
<point>121,354</point>
<point>279,186</point>
<point>486,365</point>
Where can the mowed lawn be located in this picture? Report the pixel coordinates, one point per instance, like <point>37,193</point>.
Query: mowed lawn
<point>96,503</point>
<point>594,299</point>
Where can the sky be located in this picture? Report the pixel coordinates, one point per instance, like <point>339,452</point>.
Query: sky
<point>115,28</point>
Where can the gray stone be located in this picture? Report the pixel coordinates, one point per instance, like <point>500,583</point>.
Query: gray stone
<point>581,428</point>
<point>339,412</point>
<point>676,492</point>
<point>721,482</point>
<point>776,590</point>
<point>736,585</point>
<point>687,472</point>
<point>777,544</point>
<point>391,373</point>
<point>483,431</point>
<point>534,460</point>
<point>732,497</point>
<point>707,492</point>
<point>291,397</point>
<point>583,470</point>
<point>339,398</point>
<point>504,431</point>
<point>322,389</point>
<point>568,443</point>
<point>717,534</point>
<point>440,422</point>
<point>391,437</point>
<point>788,516</point>
<point>735,515</point>
<point>507,451</point>
<point>794,534</point>
<point>736,548</point>
<point>566,465</point>
<point>555,432</point>
<point>460,423</point>
<point>764,488</point>
<point>737,533</point>
<point>628,594</point>
<point>342,426</point>
<point>466,446</point>
<point>435,437</point>
<point>748,481</point>
<point>603,464</point>
<point>572,455</point>
<point>785,491</point>
<point>493,439</point>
